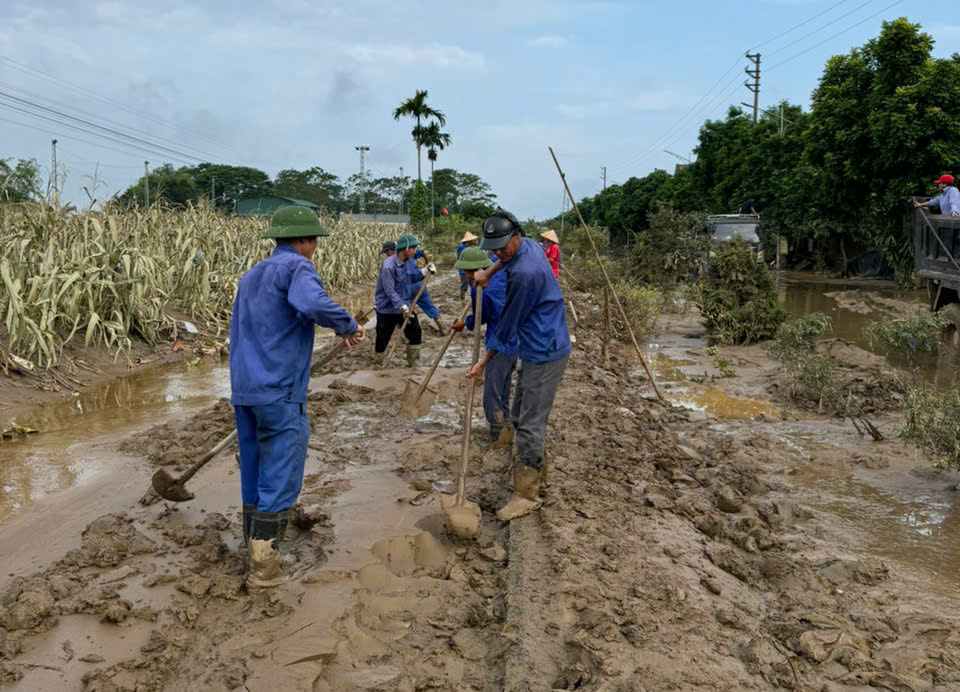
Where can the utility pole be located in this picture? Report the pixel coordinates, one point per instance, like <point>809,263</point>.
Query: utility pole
<point>213,190</point>
<point>363,180</point>
<point>604,171</point>
<point>563,210</point>
<point>53,171</point>
<point>400,201</point>
<point>755,85</point>
<point>146,184</point>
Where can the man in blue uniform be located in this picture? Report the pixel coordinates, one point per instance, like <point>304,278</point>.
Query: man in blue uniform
<point>534,313</point>
<point>468,240</point>
<point>278,303</point>
<point>417,276</point>
<point>499,370</point>
<point>392,300</point>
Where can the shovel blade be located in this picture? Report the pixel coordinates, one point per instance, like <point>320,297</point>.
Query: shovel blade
<point>169,488</point>
<point>463,520</point>
<point>417,406</point>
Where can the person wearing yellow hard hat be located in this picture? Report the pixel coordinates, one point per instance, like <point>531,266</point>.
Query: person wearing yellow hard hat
<point>466,241</point>
<point>551,248</point>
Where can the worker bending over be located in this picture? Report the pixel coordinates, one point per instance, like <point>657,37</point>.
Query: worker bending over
<point>533,313</point>
<point>392,300</point>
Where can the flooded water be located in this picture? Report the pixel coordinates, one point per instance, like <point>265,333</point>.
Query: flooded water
<point>64,452</point>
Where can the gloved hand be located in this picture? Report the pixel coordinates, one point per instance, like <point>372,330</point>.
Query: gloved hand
<point>405,309</point>
<point>458,326</point>
<point>424,271</point>
<point>432,267</point>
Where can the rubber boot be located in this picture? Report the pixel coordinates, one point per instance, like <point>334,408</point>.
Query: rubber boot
<point>266,569</point>
<point>248,511</point>
<point>413,356</point>
<point>495,432</point>
<point>506,434</point>
<point>544,474</point>
<point>526,492</point>
<point>378,358</point>
<point>441,327</point>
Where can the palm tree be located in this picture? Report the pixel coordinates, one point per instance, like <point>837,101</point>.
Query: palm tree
<point>434,140</point>
<point>418,109</point>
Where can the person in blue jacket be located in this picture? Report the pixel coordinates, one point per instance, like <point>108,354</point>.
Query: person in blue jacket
<point>468,240</point>
<point>278,303</point>
<point>416,277</point>
<point>392,299</point>
<point>499,371</point>
<point>534,313</point>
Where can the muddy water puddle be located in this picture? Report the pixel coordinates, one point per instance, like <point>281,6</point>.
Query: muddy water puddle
<point>67,449</point>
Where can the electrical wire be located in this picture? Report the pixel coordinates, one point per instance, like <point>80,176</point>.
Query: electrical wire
<point>797,26</point>
<point>818,30</point>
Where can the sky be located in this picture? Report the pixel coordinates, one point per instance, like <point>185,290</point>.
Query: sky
<point>281,84</point>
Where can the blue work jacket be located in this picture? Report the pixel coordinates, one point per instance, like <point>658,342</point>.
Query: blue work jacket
<point>393,287</point>
<point>494,296</point>
<point>533,310</point>
<point>278,303</point>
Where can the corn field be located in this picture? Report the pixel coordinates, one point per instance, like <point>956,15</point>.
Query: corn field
<point>107,278</point>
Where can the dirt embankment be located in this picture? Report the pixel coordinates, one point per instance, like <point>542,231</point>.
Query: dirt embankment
<point>673,551</point>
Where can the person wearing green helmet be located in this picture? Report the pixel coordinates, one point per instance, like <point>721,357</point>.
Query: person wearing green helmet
<point>278,302</point>
<point>392,300</point>
<point>499,371</point>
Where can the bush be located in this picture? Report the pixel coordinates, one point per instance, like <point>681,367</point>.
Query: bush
<point>800,336</point>
<point>643,306</point>
<point>909,335</point>
<point>667,252</point>
<point>933,422</point>
<point>738,298</point>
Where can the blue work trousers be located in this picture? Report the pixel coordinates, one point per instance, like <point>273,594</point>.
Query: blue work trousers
<point>273,449</point>
<point>497,376</point>
<point>425,304</point>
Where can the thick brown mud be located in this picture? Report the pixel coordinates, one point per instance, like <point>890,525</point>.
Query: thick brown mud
<point>720,540</point>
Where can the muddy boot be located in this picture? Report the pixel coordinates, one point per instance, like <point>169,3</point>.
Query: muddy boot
<point>544,476</point>
<point>441,327</point>
<point>526,491</point>
<point>378,359</point>
<point>266,568</point>
<point>413,356</point>
<point>495,432</point>
<point>248,511</point>
<point>506,434</point>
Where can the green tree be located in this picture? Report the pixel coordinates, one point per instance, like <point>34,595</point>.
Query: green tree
<point>435,141</point>
<point>313,184</point>
<point>167,184</point>
<point>418,109</point>
<point>21,182</point>
<point>419,213</point>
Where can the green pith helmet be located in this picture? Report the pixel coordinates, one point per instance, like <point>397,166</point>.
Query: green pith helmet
<point>473,258</point>
<point>407,241</point>
<point>294,222</point>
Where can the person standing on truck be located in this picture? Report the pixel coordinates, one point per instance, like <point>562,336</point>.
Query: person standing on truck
<point>949,200</point>
<point>749,208</point>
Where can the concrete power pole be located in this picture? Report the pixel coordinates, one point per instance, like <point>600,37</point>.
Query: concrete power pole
<point>213,191</point>
<point>53,171</point>
<point>755,85</point>
<point>363,181</point>
<point>146,184</point>
<point>400,201</point>
<point>604,170</point>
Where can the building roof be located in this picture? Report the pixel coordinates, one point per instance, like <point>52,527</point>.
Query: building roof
<point>265,205</point>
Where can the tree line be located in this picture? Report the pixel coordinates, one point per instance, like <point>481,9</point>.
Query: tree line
<point>835,180</point>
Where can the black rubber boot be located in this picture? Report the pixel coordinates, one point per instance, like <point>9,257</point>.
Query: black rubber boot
<point>248,511</point>
<point>266,532</point>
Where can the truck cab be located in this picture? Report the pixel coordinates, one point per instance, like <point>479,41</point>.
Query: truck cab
<point>937,262</point>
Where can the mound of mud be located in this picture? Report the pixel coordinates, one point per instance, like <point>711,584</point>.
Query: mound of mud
<point>184,441</point>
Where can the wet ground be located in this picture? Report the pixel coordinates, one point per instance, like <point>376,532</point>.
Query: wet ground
<point>623,569</point>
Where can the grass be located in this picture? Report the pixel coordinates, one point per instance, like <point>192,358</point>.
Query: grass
<point>106,278</point>
<point>933,422</point>
<point>910,336</point>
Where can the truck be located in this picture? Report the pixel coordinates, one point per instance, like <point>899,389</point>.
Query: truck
<point>937,263</point>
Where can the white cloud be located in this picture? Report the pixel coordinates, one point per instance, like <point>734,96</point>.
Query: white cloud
<point>548,42</point>
<point>433,55</point>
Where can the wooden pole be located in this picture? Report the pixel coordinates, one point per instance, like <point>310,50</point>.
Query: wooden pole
<point>607,331</point>
<point>606,278</point>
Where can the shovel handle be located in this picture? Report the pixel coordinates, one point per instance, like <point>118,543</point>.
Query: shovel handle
<point>443,350</point>
<point>221,445</point>
<point>339,348</point>
<point>403,325</point>
<point>468,409</point>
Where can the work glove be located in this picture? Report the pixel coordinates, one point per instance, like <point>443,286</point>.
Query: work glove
<point>425,271</point>
<point>405,309</point>
<point>432,267</point>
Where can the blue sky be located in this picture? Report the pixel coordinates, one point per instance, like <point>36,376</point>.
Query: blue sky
<point>296,83</point>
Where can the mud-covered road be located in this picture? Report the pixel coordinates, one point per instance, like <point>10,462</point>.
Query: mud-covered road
<point>725,540</point>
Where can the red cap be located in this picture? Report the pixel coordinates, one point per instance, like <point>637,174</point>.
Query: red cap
<point>446,213</point>
<point>948,179</point>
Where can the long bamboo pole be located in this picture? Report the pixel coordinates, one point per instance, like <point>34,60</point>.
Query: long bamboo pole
<point>613,293</point>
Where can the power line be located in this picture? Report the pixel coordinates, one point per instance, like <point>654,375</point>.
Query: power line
<point>159,147</point>
<point>105,120</point>
<point>818,30</point>
<point>118,104</point>
<point>797,26</point>
<point>839,33</point>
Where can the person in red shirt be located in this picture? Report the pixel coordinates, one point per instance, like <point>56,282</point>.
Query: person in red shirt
<point>551,248</point>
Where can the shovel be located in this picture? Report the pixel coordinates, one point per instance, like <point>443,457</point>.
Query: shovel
<point>170,488</point>
<point>361,318</point>
<point>463,516</point>
<point>394,342</point>
<point>417,398</point>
